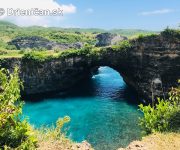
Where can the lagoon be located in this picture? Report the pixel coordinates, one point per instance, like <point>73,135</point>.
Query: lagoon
<point>103,111</point>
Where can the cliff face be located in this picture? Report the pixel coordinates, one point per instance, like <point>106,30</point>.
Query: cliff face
<point>48,76</point>
<point>155,62</point>
<point>151,65</point>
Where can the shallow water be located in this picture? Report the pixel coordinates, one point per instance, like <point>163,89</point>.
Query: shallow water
<point>103,111</point>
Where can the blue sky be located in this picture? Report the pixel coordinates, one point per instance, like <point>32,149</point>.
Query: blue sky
<point>141,14</point>
<point>106,14</point>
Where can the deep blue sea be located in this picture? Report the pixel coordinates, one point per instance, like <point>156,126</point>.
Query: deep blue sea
<point>103,111</point>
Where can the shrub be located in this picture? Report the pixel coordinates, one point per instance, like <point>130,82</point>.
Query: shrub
<point>161,117</point>
<point>53,133</point>
<point>14,133</point>
<point>171,34</point>
<point>2,44</point>
<point>3,52</point>
<point>146,37</point>
<point>81,52</point>
<point>122,46</point>
<point>35,56</point>
<point>11,47</point>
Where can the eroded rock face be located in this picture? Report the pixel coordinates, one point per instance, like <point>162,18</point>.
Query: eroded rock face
<point>39,43</point>
<point>155,63</point>
<point>106,39</point>
<point>49,76</point>
<point>150,66</point>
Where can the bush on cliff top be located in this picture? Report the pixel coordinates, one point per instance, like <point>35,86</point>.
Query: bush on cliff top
<point>171,34</point>
<point>122,46</point>
<point>81,52</point>
<point>147,37</point>
<point>164,116</point>
<point>36,56</point>
<point>168,34</point>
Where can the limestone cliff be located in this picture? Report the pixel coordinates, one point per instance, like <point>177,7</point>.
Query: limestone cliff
<point>152,64</point>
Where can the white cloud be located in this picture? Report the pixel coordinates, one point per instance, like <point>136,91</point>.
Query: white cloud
<point>156,12</point>
<point>89,10</point>
<point>31,4</point>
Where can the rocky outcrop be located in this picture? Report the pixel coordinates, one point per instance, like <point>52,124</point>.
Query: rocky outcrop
<point>151,66</point>
<point>40,43</point>
<point>106,39</point>
<point>158,141</point>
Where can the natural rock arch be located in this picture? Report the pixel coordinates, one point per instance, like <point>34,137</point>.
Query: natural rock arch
<point>150,59</point>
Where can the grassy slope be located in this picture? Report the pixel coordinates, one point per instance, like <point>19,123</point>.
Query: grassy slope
<point>9,31</point>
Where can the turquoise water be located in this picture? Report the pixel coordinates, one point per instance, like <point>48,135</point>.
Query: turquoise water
<point>103,111</point>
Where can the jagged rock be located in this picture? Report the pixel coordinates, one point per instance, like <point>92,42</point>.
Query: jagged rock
<point>39,42</point>
<point>106,39</point>
<point>78,45</point>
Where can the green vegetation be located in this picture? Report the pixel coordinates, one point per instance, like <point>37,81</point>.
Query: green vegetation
<point>168,34</point>
<point>143,37</point>
<point>122,46</point>
<point>81,52</point>
<point>132,33</point>
<point>10,54</point>
<point>4,45</point>
<point>43,54</point>
<point>171,34</point>
<point>16,133</point>
<point>53,133</point>
<point>9,31</point>
<point>36,56</point>
<point>164,116</point>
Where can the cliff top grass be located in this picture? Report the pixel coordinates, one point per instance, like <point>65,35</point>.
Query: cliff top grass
<point>167,34</point>
<point>20,54</point>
